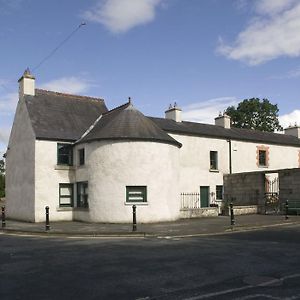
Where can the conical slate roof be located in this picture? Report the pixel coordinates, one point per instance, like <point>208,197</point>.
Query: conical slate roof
<point>127,123</point>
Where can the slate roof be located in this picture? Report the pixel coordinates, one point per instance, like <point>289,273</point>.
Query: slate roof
<point>126,122</point>
<point>58,116</point>
<point>207,130</point>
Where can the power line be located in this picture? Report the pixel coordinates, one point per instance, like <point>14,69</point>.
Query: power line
<point>58,46</point>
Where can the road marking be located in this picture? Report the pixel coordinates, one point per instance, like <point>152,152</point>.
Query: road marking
<point>247,287</point>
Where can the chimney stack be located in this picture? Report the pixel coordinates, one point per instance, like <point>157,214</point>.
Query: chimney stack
<point>26,84</point>
<point>223,120</point>
<point>293,130</point>
<point>173,113</point>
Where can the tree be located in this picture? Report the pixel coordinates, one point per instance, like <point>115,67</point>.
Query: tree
<point>255,114</point>
<point>2,178</point>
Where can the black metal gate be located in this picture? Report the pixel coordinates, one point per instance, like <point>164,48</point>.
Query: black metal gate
<point>272,205</point>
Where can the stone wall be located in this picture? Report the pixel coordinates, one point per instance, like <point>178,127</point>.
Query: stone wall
<point>289,185</point>
<point>244,188</point>
<point>189,213</point>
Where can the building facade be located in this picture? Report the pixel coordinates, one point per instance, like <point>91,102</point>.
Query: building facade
<point>89,163</point>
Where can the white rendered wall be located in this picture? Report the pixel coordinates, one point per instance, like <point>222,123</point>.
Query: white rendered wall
<point>244,157</point>
<point>48,176</point>
<point>195,163</point>
<point>114,165</point>
<point>20,167</point>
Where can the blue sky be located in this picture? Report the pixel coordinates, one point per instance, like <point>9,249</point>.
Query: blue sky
<point>203,54</point>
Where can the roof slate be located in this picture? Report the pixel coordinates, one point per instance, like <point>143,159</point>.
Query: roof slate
<point>207,130</point>
<point>126,122</point>
<point>58,116</point>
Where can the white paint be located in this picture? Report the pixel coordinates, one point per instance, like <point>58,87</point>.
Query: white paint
<point>294,131</point>
<point>174,114</point>
<point>20,167</point>
<point>223,121</point>
<point>26,86</point>
<point>114,165</point>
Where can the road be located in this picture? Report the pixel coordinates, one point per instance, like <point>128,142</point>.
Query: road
<point>261,264</point>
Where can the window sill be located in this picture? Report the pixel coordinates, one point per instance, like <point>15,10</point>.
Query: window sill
<point>136,203</point>
<point>214,171</point>
<point>64,208</point>
<point>72,209</point>
<point>263,167</point>
<point>64,167</point>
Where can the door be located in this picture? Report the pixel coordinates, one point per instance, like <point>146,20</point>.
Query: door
<point>204,196</point>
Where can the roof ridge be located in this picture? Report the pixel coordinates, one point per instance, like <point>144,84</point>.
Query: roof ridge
<point>116,108</point>
<point>42,91</point>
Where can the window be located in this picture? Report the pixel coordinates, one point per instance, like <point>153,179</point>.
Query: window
<point>65,194</point>
<point>262,157</point>
<point>219,192</point>
<point>136,194</point>
<point>81,158</point>
<point>213,160</point>
<point>82,194</point>
<point>64,154</point>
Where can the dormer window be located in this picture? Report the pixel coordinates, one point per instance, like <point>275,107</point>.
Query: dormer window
<point>64,154</point>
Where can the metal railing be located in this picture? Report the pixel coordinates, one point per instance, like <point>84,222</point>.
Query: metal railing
<point>190,200</point>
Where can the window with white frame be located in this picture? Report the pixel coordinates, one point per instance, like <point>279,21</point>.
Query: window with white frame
<point>66,195</point>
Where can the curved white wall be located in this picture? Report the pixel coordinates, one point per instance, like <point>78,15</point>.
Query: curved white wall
<point>113,165</point>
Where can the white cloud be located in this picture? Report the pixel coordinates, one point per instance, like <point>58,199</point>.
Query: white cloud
<point>290,118</point>
<point>8,103</point>
<point>122,15</point>
<point>274,32</point>
<point>71,85</point>
<point>273,7</point>
<point>207,111</point>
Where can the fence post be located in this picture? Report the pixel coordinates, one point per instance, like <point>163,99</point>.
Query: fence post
<point>232,220</point>
<point>133,218</point>
<point>286,209</point>
<point>47,218</point>
<point>3,217</point>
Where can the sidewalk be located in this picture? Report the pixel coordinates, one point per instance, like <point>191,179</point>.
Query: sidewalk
<point>180,228</point>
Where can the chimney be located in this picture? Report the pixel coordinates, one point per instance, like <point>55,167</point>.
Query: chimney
<point>26,84</point>
<point>173,113</point>
<point>293,130</point>
<point>223,121</point>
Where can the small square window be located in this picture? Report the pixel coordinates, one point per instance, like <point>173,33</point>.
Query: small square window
<point>213,160</point>
<point>219,192</point>
<point>136,194</point>
<point>262,154</point>
<point>64,154</point>
<point>66,195</point>
<point>82,194</point>
<point>81,157</point>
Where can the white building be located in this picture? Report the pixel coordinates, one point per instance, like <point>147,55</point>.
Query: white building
<point>88,163</point>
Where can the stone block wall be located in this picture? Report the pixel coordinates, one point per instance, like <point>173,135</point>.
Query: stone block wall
<point>245,188</point>
<point>289,185</point>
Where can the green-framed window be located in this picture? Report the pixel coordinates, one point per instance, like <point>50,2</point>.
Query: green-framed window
<point>213,156</point>
<point>66,194</point>
<point>82,194</point>
<point>81,157</point>
<point>136,194</point>
<point>64,154</point>
<point>219,192</point>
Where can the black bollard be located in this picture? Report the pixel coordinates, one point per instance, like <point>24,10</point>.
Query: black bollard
<point>232,220</point>
<point>47,218</point>
<point>133,218</point>
<point>286,209</point>
<point>3,217</point>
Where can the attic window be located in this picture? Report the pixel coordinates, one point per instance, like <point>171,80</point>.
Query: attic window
<point>64,154</point>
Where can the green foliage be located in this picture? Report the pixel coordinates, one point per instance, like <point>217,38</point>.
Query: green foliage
<point>255,114</point>
<point>2,179</point>
<point>2,185</point>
